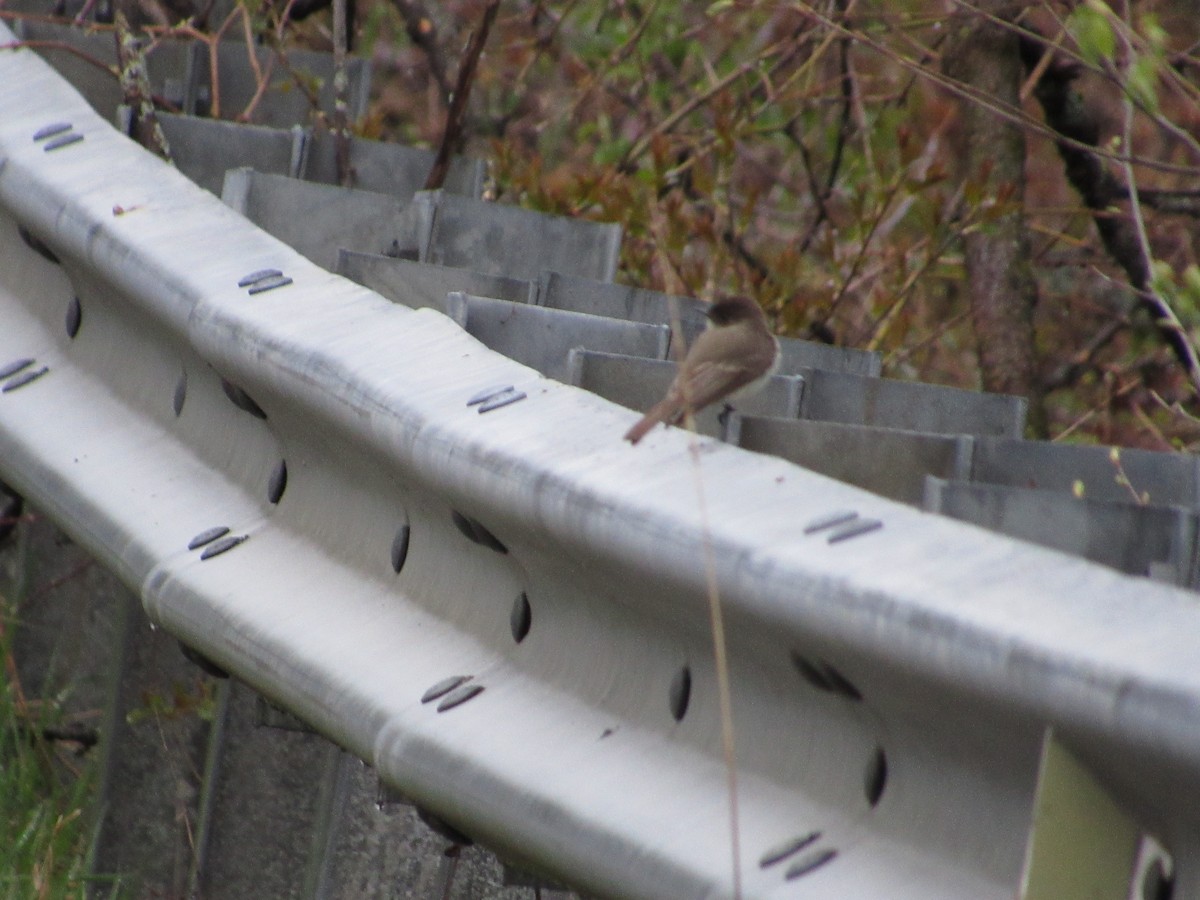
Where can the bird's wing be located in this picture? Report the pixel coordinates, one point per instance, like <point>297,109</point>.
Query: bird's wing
<point>708,382</point>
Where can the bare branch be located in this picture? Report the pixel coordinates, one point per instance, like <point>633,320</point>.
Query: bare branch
<point>1006,111</point>
<point>1123,234</point>
<point>452,135</point>
<point>65,48</point>
<point>135,89</point>
<point>341,87</point>
<point>423,33</point>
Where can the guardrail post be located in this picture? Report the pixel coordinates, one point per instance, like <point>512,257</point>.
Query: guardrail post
<point>125,692</point>
<point>262,793</point>
<point>153,735</point>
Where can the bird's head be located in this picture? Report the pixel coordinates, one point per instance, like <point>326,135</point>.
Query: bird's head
<point>731,310</point>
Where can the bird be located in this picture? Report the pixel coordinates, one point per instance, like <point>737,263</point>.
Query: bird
<point>732,358</point>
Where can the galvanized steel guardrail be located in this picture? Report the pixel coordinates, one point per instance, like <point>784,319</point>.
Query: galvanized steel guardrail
<point>452,566</point>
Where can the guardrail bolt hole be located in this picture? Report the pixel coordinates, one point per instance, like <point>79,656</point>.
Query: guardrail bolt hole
<point>825,677</point>
<point>180,393</point>
<point>476,533</point>
<point>206,665</point>
<point>74,317</point>
<point>207,536</point>
<point>790,848</point>
<point>12,368</point>
<point>521,618</point>
<point>681,693</point>
<point>278,483</point>
<point>400,548</point>
<point>1157,884</point>
<point>445,686</point>
<point>37,245</point>
<point>223,545</point>
<point>464,525</point>
<point>11,506</point>
<point>809,864</point>
<point>876,777</point>
<point>19,381</point>
<point>459,696</point>
<point>241,399</point>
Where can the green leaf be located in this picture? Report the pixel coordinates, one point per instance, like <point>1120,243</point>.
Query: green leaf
<point>676,50</point>
<point>1093,33</point>
<point>1187,302</point>
<point>1191,281</point>
<point>1162,278</point>
<point>1155,34</point>
<point>1142,82</point>
<point>611,152</point>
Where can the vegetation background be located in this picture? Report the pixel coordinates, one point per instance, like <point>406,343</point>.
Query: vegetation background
<point>995,195</point>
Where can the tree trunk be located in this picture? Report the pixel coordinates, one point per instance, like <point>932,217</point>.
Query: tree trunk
<point>1000,282</point>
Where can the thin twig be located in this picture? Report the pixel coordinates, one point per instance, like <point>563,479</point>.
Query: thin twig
<point>423,33</point>
<point>821,194</point>
<point>1175,407</point>
<point>66,48</point>
<point>1069,372</point>
<point>456,117</point>
<point>1168,321</point>
<point>643,143</point>
<point>135,90</point>
<point>861,257</point>
<point>1111,73</point>
<point>884,323</point>
<point>721,663</point>
<point>600,75</point>
<point>341,105</point>
<point>56,583</point>
<point>672,278</point>
<point>1003,110</point>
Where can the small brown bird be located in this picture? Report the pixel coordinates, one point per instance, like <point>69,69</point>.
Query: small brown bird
<point>733,358</point>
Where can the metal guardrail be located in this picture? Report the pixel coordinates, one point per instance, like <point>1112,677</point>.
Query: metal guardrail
<point>453,567</point>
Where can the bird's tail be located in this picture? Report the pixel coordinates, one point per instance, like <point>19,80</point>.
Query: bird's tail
<point>639,431</point>
<point>664,411</point>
